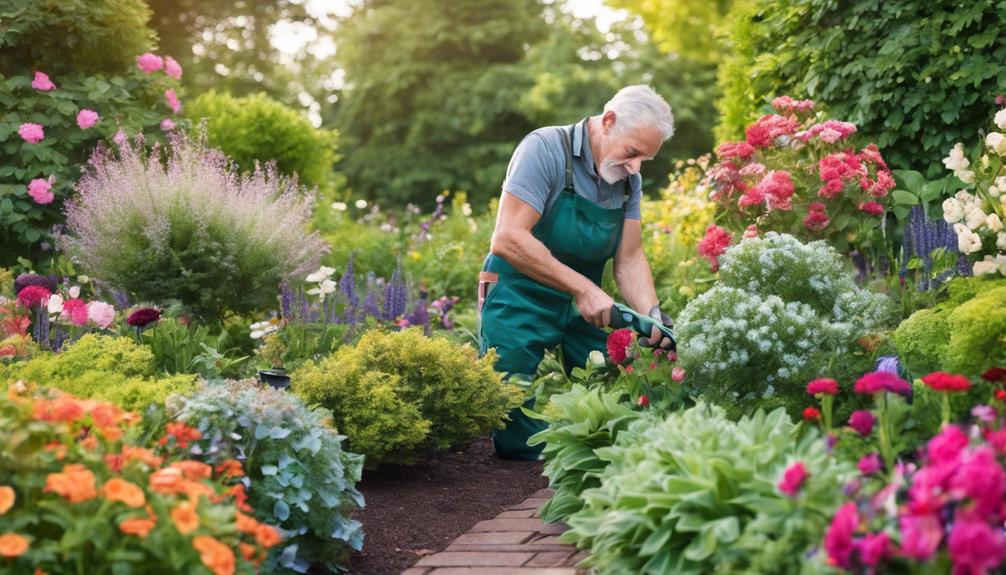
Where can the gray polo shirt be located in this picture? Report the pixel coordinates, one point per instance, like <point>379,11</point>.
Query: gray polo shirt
<point>536,173</point>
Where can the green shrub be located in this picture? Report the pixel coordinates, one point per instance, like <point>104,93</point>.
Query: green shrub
<point>89,51</point>
<point>257,128</point>
<point>190,230</point>
<point>396,393</point>
<point>697,493</point>
<point>782,314</point>
<point>102,367</point>
<point>965,334</point>
<point>915,76</point>
<point>300,477</point>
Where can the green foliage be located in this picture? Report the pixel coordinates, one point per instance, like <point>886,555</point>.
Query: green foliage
<point>301,478</point>
<point>89,50</point>
<point>914,76</point>
<point>697,493</point>
<point>965,334</point>
<point>782,314</point>
<point>257,128</point>
<point>114,369</point>
<point>395,393</point>
<point>184,348</point>
<point>6,283</point>
<point>687,29</point>
<point>580,421</point>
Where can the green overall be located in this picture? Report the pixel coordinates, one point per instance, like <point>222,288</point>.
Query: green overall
<point>522,318</point>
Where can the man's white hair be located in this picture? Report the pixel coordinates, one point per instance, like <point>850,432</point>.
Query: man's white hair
<point>640,105</point>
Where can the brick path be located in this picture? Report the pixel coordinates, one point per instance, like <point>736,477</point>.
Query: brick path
<point>516,542</point>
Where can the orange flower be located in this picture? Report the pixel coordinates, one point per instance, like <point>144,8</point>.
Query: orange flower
<point>121,490</point>
<point>38,571</point>
<point>58,448</point>
<point>12,545</point>
<point>240,498</point>
<point>193,469</point>
<point>215,555</point>
<point>63,408</point>
<point>185,517</point>
<point>106,415</point>
<point>138,526</point>
<point>246,524</point>
<point>182,433</point>
<point>130,453</point>
<point>110,433</point>
<point>248,551</point>
<point>7,498</point>
<point>76,483</point>
<point>90,443</point>
<point>167,480</point>
<point>267,536</point>
<point>230,468</point>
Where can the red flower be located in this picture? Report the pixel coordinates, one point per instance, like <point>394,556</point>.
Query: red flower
<point>1001,394</point>
<point>143,317</point>
<point>995,374</point>
<point>33,295</point>
<point>823,385</point>
<point>871,208</point>
<point>878,381</point>
<point>942,381</point>
<point>811,414</point>
<point>793,479</point>
<point>618,343</point>
<point>737,150</point>
<point>817,217</point>
<point>712,246</point>
<point>644,401</point>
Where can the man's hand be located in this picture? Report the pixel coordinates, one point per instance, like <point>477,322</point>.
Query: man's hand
<point>594,305</point>
<point>655,333</point>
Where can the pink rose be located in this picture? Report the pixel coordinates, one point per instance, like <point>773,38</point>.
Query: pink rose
<point>86,118</point>
<point>920,535</point>
<point>975,546</point>
<point>678,374</point>
<point>75,310</point>
<point>31,133</point>
<point>149,62</point>
<point>101,313</point>
<point>41,190</point>
<point>172,68</point>
<point>42,82</point>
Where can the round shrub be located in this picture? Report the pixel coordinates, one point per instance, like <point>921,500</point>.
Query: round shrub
<point>914,75</point>
<point>257,128</point>
<point>299,478</point>
<point>428,394</point>
<point>780,314</point>
<point>109,368</point>
<point>191,229</point>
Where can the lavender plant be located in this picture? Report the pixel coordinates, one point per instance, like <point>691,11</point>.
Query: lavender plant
<point>190,227</point>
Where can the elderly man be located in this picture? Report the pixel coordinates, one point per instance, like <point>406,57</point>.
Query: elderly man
<point>570,203</point>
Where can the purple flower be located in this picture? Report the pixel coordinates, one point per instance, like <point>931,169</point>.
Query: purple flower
<point>869,464</point>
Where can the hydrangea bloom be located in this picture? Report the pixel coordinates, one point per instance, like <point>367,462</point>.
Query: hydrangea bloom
<point>87,119</point>
<point>42,82</point>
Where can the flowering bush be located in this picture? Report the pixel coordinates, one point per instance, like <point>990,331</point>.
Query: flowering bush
<point>102,367</point>
<point>297,475</point>
<point>698,493</point>
<point>394,393</point>
<point>780,313</point>
<point>191,229</point>
<point>71,79</point>
<point>73,494</point>
<point>799,174</point>
<point>977,215</point>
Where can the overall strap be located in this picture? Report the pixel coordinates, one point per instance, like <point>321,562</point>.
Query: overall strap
<point>567,144</point>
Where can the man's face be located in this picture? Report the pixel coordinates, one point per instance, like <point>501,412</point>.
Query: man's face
<point>626,150</point>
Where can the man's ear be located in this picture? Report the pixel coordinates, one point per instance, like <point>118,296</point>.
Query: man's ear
<point>608,121</point>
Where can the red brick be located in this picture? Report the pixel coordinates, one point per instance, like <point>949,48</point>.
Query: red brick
<point>509,548</point>
<point>505,571</point>
<point>532,503</point>
<point>516,514</point>
<point>526,524</point>
<point>546,493</point>
<point>551,559</point>
<point>493,538</point>
<point>547,540</point>
<point>464,559</point>
<point>416,571</point>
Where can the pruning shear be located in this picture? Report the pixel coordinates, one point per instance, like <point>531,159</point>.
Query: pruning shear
<point>622,316</point>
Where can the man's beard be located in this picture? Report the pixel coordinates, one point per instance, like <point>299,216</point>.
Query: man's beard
<point>612,173</point>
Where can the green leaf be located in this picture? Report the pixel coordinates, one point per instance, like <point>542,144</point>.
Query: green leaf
<point>905,198</point>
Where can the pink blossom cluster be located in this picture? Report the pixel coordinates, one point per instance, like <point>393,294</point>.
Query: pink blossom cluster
<point>714,244</point>
<point>764,132</point>
<point>774,191</point>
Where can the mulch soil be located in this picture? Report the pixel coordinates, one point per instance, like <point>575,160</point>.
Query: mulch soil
<point>413,511</point>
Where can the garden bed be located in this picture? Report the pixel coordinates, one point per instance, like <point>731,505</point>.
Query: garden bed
<point>413,511</point>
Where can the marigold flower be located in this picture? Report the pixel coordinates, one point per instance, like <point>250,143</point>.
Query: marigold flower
<point>12,545</point>
<point>139,526</point>
<point>168,480</point>
<point>185,518</point>
<point>241,497</point>
<point>75,483</point>
<point>194,470</point>
<point>248,551</point>
<point>216,556</point>
<point>245,523</point>
<point>230,468</point>
<point>267,536</point>
<point>7,498</point>
<point>182,433</point>
<point>117,489</point>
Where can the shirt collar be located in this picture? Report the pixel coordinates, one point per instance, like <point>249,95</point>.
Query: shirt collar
<point>581,145</point>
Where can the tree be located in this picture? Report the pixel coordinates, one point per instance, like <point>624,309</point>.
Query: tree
<point>691,29</point>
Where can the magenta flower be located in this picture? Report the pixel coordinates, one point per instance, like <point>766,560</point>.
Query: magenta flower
<point>33,295</point>
<point>838,538</point>
<point>873,548</point>
<point>86,118</point>
<point>167,125</point>
<point>869,464</point>
<point>40,190</point>
<point>172,99</point>
<point>862,421</point>
<point>42,82</point>
<point>920,535</point>
<point>149,62</point>
<point>975,546</point>
<point>172,68</point>
<point>871,207</point>
<point>714,244</point>
<point>75,310</point>
<point>879,381</point>
<point>947,446</point>
<point>793,478</point>
<point>983,480</point>
<point>31,133</point>
<point>678,374</point>
<point>823,385</point>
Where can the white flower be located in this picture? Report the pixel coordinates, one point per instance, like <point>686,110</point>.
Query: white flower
<point>326,287</point>
<point>966,176</point>
<point>993,223</point>
<point>968,242</point>
<point>73,292</point>
<point>985,267</point>
<point>361,204</point>
<point>55,303</point>
<point>994,191</point>
<point>596,358</point>
<point>996,142</point>
<point>466,209</point>
<point>974,217</point>
<point>1001,119</point>
<point>953,212</point>
<point>1001,241</point>
<point>83,279</point>
<point>323,273</point>
<point>263,328</point>
<point>964,197</point>
<point>339,206</point>
<point>956,160</point>
<point>1001,263</point>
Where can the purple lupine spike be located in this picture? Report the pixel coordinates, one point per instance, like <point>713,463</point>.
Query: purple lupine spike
<point>420,316</point>
<point>58,338</point>
<point>41,329</point>
<point>348,285</point>
<point>370,305</point>
<point>395,295</point>
<point>285,301</point>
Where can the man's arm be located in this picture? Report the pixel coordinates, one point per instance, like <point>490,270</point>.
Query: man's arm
<point>633,276</point>
<point>513,241</point>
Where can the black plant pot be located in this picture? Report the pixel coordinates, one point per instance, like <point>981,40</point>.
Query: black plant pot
<point>276,378</point>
